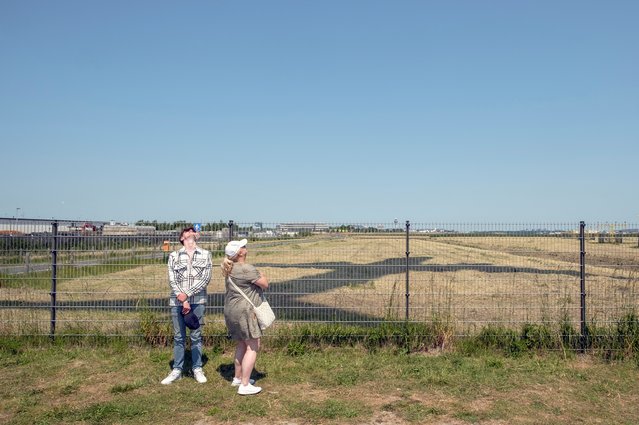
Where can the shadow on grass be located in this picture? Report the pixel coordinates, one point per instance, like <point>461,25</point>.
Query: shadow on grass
<point>187,367</point>
<point>227,372</point>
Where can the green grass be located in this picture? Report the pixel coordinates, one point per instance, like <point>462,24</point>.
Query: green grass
<point>412,410</point>
<point>64,382</point>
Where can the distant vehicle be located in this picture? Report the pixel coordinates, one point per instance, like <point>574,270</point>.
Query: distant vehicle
<point>88,227</point>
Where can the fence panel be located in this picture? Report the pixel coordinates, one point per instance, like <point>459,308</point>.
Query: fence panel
<point>341,274</point>
<point>468,276</point>
<point>612,273</point>
<point>475,275</point>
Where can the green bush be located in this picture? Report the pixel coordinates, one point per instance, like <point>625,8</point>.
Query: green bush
<point>154,330</point>
<point>537,337</point>
<point>613,341</point>
<point>496,337</point>
<point>628,334</point>
<point>616,341</point>
<point>568,335</point>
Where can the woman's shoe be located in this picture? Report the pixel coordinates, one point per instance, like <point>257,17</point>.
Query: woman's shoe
<point>248,389</point>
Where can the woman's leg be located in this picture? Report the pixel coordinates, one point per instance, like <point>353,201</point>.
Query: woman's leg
<point>240,350</point>
<point>252,347</point>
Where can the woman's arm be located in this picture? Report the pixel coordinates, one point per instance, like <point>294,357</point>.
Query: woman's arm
<point>262,282</point>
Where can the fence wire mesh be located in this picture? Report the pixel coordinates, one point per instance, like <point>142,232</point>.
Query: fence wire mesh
<point>99,278</point>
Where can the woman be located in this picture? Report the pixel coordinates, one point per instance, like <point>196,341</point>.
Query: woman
<point>189,275</point>
<point>238,313</point>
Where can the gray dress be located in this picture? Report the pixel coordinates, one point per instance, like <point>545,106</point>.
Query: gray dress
<point>238,315</point>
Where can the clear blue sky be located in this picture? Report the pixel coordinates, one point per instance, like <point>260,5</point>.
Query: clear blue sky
<point>336,111</point>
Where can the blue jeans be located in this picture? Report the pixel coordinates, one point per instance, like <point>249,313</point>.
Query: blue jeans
<point>179,337</point>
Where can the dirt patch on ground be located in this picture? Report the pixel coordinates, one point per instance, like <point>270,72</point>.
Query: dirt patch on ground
<point>379,418</point>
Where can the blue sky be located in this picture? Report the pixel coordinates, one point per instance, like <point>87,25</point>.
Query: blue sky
<point>336,111</point>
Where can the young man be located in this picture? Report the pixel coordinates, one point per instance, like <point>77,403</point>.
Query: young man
<point>189,275</point>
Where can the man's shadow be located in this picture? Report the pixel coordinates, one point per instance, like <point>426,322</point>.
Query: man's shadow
<point>187,367</point>
<point>227,372</point>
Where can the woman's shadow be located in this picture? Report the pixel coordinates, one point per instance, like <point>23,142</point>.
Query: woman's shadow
<point>227,372</point>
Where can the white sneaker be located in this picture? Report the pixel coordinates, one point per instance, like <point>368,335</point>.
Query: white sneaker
<point>173,376</point>
<point>248,389</point>
<point>199,375</point>
<point>236,382</point>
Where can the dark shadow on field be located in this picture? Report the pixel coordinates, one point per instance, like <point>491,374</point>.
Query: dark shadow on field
<point>286,298</point>
<point>227,372</point>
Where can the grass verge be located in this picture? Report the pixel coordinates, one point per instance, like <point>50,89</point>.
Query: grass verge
<point>56,383</point>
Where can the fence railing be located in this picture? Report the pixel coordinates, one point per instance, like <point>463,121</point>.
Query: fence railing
<point>82,278</point>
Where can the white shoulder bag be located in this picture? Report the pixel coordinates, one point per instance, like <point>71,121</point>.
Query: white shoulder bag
<point>264,313</point>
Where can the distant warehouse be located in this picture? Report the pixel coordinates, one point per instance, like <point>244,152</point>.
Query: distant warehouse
<point>126,230</point>
<point>302,228</point>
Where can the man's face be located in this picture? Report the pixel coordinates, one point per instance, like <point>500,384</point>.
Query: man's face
<point>188,238</point>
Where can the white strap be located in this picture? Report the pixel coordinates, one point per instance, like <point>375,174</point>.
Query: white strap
<point>240,291</point>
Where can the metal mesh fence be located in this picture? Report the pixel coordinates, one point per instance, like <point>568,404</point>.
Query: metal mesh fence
<point>612,272</point>
<point>478,275</point>
<point>101,278</point>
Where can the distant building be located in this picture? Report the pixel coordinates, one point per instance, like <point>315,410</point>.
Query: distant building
<point>216,234</point>
<point>22,228</point>
<point>125,230</point>
<point>267,234</point>
<point>302,228</point>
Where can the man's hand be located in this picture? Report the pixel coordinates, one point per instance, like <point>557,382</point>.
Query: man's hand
<point>181,297</point>
<point>186,307</point>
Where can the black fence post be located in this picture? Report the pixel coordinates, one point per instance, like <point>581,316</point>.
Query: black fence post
<point>54,277</point>
<point>407,268</point>
<point>582,281</point>
<point>230,230</point>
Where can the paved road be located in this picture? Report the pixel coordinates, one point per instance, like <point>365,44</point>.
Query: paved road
<point>41,267</point>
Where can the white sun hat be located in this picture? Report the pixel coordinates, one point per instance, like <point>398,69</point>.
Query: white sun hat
<point>233,247</point>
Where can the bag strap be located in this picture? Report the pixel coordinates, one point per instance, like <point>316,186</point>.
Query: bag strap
<point>240,291</point>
